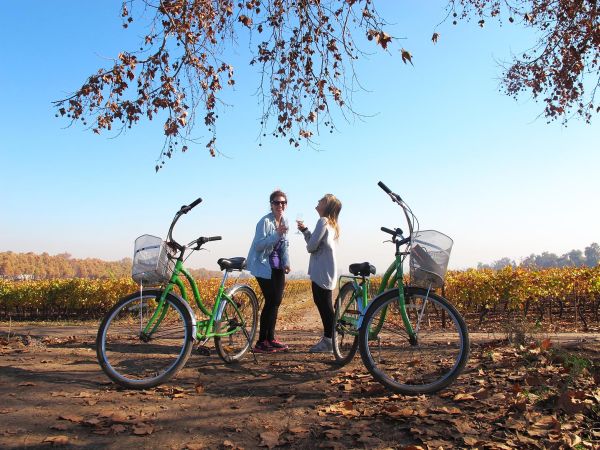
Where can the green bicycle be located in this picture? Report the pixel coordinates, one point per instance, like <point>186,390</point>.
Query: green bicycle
<point>411,340</point>
<point>148,336</point>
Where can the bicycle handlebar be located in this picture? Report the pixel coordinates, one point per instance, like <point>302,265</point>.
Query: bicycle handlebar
<point>395,233</point>
<point>198,242</point>
<point>384,187</point>
<point>387,230</point>
<point>209,239</point>
<point>395,197</point>
<point>187,208</point>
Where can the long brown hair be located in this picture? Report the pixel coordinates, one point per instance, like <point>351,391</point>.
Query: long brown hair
<point>332,211</point>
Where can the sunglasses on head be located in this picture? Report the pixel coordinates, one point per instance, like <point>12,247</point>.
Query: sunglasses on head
<point>276,202</point>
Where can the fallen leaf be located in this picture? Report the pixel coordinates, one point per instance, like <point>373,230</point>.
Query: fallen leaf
<point>333,434</point>
<point>194,446</point>
<point>142,430</point>
<point>83,394</point>
<point>463,397</point>
<point>57,440</point>
<point>118,428</point>
<point>546,344</point>
<point>71,418</point>
<point>269,439</point>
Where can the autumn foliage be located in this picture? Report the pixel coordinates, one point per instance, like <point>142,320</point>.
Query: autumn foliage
<point>304,52</point>
<point>562,68</point>
<point>301,48</point>
<point>563,299</point>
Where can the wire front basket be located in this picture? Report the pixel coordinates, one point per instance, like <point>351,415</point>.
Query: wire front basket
<point>151,264</point>
<point>429,256</point>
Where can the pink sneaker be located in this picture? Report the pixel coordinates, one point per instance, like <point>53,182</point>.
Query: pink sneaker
<point>263,347</point>
<point>278,346</point>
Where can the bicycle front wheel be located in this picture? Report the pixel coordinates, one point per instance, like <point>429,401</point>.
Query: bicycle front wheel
<point>239,321</point>
<point>430,360</point>
<point>140,345</point>
<point>345,329</point>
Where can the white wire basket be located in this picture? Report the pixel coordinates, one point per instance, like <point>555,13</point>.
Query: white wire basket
<point>151,264</point>
<point>429,256</point>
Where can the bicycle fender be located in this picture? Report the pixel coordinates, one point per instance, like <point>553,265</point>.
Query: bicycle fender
<point>190,312</point>
<point>362,313</point>
<point>223,303</point>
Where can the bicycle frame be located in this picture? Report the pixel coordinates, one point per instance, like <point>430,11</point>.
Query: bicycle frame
<point>204,328</point>
<point>393,277</point>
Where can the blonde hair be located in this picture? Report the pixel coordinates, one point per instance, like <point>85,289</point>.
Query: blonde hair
<point>332,211</point>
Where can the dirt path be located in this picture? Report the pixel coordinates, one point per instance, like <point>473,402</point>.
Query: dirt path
<point>53,393</point>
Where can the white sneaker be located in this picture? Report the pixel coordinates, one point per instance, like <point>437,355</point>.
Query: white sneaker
<point>325,345</point>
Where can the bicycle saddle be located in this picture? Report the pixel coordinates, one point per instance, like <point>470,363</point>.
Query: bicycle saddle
<point>229,264</point>
<point>362,269</point>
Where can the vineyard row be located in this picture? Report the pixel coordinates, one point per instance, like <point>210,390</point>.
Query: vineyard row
<point>551,295</point>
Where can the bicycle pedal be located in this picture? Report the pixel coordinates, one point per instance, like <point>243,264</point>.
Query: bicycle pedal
<point>203,350</point>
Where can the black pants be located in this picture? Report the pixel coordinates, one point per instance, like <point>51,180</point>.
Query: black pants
<point>324,300</point>
<point>273,292</point>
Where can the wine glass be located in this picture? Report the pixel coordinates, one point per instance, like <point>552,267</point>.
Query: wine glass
<point>299,220</point>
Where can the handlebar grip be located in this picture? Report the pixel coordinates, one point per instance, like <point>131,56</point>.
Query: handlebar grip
<point>404,241</point>
<point>195,203</point>
<point>187,208</point>
<point>387,230</point>
<point>384,187</point>
<point>213,238</point>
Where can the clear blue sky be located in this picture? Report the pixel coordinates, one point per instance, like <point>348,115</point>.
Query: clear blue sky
<point>471,162</point>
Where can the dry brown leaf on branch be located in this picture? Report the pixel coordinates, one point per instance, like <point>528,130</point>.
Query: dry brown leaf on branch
<point>406,56</point>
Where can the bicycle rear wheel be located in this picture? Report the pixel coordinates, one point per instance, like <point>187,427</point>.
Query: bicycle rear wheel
<point>239,318</point>
<point>345,329</point>
<point>136,357</point>
<point>425,364</point>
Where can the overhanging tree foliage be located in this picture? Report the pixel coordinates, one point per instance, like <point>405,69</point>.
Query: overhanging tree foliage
<point>562,67</point>
<point>304,50</point>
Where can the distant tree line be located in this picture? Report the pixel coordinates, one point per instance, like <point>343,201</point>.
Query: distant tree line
<point>44,266</point>
<point>590,257</point>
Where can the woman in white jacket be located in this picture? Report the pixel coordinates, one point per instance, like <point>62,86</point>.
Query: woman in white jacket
<point>322,266</point>
<point>269,262</point>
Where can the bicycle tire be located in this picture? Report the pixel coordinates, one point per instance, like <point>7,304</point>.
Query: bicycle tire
<point>242,319</point>
<point>137,361</point>
<point>430,363</point>
<point>345,331</point>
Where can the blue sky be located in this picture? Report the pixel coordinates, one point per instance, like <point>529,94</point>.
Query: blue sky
<point>471,162</point>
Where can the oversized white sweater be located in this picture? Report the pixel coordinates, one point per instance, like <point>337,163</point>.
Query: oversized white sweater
<point>322,266</point>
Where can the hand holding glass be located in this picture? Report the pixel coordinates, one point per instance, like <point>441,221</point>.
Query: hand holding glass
<point>299,222</point>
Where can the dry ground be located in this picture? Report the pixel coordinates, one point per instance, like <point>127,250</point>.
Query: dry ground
<point>536,396</point>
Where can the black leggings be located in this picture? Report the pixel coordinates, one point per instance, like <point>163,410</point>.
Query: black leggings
<point>273,292</point>
<point>323,298</point>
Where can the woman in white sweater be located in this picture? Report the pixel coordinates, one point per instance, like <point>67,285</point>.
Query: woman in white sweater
<point>322,266</point>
